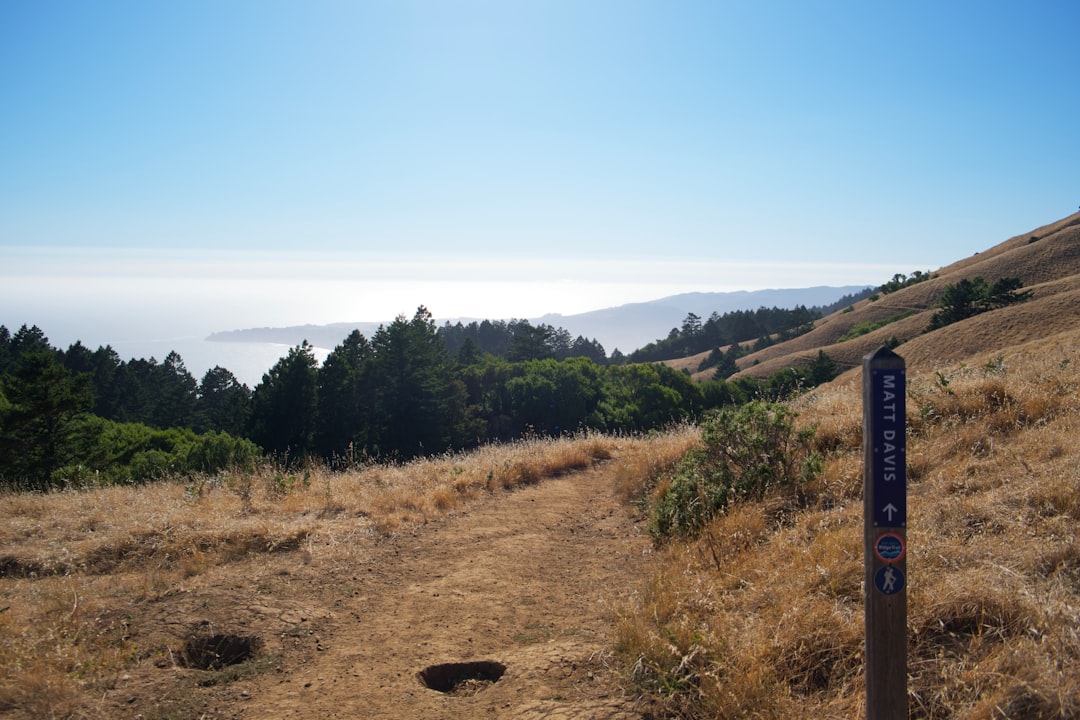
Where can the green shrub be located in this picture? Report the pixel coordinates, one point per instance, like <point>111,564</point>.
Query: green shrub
<point>747,451</point>
<point>150,465</point>
<point>111,453</point>
<point>869,326</point>
<point>213,452</point>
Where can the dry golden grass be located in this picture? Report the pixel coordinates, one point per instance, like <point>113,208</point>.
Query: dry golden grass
<point>75,564</point>
<point>653,456</point>
<point>762,616</point>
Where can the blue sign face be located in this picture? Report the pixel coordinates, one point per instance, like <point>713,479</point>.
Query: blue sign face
<point>890,547</point>
<point>889,443</point>
<point>889,580</point>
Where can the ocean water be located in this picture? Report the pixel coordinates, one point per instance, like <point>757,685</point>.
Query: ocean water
<point>248,361</point>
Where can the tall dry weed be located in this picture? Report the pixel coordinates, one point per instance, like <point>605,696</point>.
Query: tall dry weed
<point>652,457</point>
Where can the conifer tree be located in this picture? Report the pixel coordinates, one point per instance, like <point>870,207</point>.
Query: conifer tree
<point>41,401</point>
<point>413,388</point>
<point>345,399</point>
<point>284,405</point>
<point>225,402</point>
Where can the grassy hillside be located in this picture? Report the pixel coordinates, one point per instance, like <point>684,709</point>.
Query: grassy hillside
<point>761,616</point>
<point>1047,261</point>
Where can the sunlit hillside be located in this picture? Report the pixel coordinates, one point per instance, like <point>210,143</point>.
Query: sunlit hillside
<point>1046,260</point>
<point>761,614</point>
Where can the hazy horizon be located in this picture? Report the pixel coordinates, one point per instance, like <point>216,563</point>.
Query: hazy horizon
<point>185,292</point>
<point>131,306</point>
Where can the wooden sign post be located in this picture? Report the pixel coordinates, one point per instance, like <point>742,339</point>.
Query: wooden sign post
<point>885,534</point>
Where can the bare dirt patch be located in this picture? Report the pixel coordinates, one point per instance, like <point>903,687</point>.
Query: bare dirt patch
<point>525,581</point>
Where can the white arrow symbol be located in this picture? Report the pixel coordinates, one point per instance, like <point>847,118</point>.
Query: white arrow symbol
<point>890,509</point>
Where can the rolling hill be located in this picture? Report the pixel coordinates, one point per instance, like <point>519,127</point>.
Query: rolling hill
<point>1047,261</point>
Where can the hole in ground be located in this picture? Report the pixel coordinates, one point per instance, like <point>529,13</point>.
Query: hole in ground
<point>463,678</point>
<point>211,652</point>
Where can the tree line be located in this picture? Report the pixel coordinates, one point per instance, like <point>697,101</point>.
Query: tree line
<point>520,340</point>
<point>765,325</point>
<point>79,415</point>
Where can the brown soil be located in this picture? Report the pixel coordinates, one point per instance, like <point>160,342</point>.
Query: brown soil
<point>527,579</point>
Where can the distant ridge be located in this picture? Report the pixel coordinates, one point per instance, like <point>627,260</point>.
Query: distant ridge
<point>625,327</point>
<point>634,325</point>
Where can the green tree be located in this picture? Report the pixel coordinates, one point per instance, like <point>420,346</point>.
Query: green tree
<point>900,281</point>
<point>691,326</point>
<point>28,340</point>
<point>970,297</point>
<point>284,404</point>
<point>469,353</point>
<point>1006,291</point>
<point>225,402</point>
<point>41,400</point>
<point>531,343</point>
<point>719,330</point>
<point>958,302</point>
<point>553,396</point>
<point>413,389</point>
<point>345,396</point>
<point>7,357</point>
<point>725,361</point>
<point>560,342</point>
<point>124,453</point>
<point>176,395</point>
<point>591,349</point>
<point>721,393</point>
<point>644,396</point>
<point>821,370</point>
<point>79,359</point>
<point>106,381</point>
<point>486,396</point>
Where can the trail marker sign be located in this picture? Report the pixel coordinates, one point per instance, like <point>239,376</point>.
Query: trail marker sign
<point>887,425</point>
<point>885,534</point>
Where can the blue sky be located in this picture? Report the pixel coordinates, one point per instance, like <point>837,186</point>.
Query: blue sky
<point>269,163</point>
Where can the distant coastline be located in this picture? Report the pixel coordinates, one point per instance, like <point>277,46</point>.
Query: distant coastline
<point>328,336</point>
<point>248,361</point>
<point>625,327</point>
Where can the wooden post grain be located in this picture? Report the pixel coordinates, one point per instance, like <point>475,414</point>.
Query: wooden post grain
<point>885,534</point>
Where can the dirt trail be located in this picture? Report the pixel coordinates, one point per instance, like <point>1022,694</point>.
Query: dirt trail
<point>526,578</point>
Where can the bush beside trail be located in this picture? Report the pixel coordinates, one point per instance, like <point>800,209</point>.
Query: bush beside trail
<point>746,452</point>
